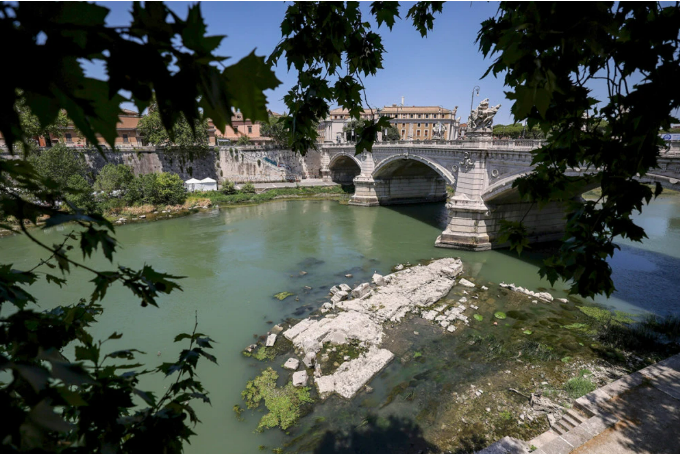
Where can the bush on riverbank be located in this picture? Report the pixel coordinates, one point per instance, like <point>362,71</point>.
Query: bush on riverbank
<point>241,197</point>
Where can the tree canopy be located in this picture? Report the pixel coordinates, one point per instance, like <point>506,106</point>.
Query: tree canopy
<point>182,134</point>
<point>549,54</point>
<point>52,403</point>
<point>276,130</point>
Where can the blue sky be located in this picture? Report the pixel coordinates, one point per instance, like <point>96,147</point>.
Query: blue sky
<point>441,69</point>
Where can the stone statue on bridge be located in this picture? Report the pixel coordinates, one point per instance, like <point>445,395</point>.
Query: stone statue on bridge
<point>481,118</point>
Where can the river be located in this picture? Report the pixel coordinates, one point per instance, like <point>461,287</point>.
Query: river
<point>236,259</point>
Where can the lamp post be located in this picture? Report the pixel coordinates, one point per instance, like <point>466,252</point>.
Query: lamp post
<point>472,98</point>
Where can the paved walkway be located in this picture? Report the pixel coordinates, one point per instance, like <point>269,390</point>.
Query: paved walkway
<point>308,182</point>
<point>639,413</point>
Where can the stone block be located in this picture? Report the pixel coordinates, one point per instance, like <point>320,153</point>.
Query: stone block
<point>271,340</point>
<point>300,378</point>
<point>292,364</point>
<point>361,290</point>
<point>276,329</point>
<point>378,279</point>
<point>345,288</point>
<point>466,283</point>
<point>309,360</point>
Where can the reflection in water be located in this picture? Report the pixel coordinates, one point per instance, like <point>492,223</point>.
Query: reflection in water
<point>237,258</point>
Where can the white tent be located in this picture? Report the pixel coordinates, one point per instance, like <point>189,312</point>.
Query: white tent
<point>207,184</point>
<point>192,185</point>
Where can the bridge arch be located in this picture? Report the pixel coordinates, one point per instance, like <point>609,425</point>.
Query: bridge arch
<point>344,167</point>
<point>392,163</point>
<point>405,178</point>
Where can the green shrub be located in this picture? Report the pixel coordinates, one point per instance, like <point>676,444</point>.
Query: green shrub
<point>170,189</point>
<point>578,387</point>
<point>248,188</point>
<point>114,178</point>
<point>228,187</point>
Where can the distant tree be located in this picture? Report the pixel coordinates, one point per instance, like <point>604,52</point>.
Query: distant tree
<point>391,133</point>
<point>351,127</point>
<point>180,135</point>
<point>169,189</point>
<point>243,141</point>
<point>59,163</point>
<point>276,130</point>
<point>80,195</point>
<point>114,177</point>
<point>228,187</point>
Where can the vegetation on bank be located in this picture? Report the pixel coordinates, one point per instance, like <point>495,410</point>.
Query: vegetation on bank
<point>245,196</point>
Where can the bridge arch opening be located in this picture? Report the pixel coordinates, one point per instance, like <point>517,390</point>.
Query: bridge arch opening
<point>404,179</point>
<point>344,169</point>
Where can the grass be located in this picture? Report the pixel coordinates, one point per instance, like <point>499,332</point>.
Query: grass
<point>578,387</point>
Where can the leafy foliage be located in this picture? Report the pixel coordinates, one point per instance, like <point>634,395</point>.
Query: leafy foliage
<point>243,141</point>
<point>53,403</point>
<point>327,41</point>
<point>183,134</point>
<point>59,163</point>
<point>391,133</point>
<point>157,189</point>
<point>114,177</point>
<point>176,53</point>
<point>276,130</point>
<point>549,53</point>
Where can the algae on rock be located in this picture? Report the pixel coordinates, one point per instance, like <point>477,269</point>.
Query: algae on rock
<point>283,403</point>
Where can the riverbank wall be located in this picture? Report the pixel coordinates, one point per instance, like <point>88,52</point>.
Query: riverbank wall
<point>237,164</point>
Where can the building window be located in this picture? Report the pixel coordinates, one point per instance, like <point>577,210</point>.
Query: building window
<point>125,138</point>
<point>69,139</point>
<point>419,125</point>
<point>434,115</point>
<point>411,115</point>
<point>403,125</point>
<point>403,133</point>
<point>420,116</point>
<point>418,133</point>
<point>426,132</point>
<point>250,129</point>
<point>427,115</point>
<point>427,124</point>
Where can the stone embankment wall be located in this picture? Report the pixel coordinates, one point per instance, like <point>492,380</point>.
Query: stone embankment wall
<point>238,164</point>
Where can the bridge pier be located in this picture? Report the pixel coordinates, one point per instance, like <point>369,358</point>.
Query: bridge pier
<point>476,227</point>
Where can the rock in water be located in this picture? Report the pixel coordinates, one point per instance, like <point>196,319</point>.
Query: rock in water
<point>276,329</point>
<point>309,360</point>
<point>271,340</point>
<point>292,364</point>
<point>345,288</point>
<point>378,279</point>
<point>300,378</point>
<point>361,290</point>
<point>353,375</point>
<point>466,283</point>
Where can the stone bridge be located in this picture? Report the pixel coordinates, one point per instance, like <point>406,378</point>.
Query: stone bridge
<point>480,172</point>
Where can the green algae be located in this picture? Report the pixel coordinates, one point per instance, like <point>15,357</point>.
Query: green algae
<point>478,317</point>
<point>283,295</point>
<point>500,315</point>
<point>284,403</point>
<point>527,332</point>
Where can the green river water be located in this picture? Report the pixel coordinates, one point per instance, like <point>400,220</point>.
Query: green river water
<point>236,259</point>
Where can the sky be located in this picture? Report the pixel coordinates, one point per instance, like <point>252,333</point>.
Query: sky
<point>439,70</point>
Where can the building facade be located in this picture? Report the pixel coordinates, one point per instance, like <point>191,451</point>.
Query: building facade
<point>414,123</point>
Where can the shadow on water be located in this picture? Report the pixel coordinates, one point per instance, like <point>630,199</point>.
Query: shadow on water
<point>391,435</point>
<point>433,214</point>
<point>634,271</point>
